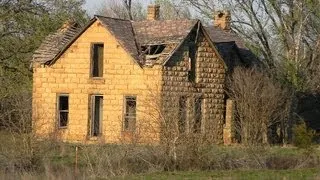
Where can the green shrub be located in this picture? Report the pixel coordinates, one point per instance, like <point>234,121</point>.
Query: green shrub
<point>302,136</point>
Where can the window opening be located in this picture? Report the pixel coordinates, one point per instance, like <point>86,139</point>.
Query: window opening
<point>63,110</point>
<point>96,115</point>
<point>198,114</point>
<point>182,114</point>
<point>192,63</point>
<point>97,60</point>
<point>130,113</point>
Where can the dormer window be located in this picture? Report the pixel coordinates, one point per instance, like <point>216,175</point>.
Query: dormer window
<point>97,60</point>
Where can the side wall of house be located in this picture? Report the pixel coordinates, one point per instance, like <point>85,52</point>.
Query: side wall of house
<point>71,75</point>
<point>208,85</point>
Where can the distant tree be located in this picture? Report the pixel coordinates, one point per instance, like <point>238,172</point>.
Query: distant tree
<point>173,9</point>
<point>134,10</point>
<point>23,26</point>
<point>284,34</point>
<point>123,9</point>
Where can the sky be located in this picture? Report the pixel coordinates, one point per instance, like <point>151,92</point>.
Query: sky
<point>93,5</point>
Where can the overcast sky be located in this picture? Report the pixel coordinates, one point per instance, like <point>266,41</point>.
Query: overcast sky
<point>92,5</point>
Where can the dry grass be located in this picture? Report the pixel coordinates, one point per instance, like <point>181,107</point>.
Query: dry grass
<point>54,160</point>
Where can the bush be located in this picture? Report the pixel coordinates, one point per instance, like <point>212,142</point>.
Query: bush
<point>303,136</point>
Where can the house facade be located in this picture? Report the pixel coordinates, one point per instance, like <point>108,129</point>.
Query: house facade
<point>116,80</point>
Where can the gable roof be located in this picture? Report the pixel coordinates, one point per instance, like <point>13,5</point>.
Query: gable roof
<point>227,41</point>
<point>122,30</point>
<point>221,36</point>
<point>133,35</point>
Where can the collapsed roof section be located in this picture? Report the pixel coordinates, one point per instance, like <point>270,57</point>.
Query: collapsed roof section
<point>159,39</point>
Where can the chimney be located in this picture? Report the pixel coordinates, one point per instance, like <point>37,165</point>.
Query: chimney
<point>222,20</point>
<point>153,12</point>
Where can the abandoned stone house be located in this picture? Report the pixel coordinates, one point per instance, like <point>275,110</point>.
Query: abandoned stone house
<point>115,80</point>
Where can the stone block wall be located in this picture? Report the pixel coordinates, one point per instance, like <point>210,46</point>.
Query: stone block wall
<point>209,85</point>
<point>71,75</point>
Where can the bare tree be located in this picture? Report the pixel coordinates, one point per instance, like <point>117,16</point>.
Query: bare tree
<point>124,9</point>
<point>262,106</point>
<point>284,34</point>
<point>135,10</point>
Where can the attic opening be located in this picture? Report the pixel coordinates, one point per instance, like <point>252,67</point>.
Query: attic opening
<point>152,52</point>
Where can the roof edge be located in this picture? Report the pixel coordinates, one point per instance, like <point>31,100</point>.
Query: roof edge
<point>97,16</point>
<point>213,46</point>
<point>180,44</point>
<point>71,42</point>
<point>136,59</point>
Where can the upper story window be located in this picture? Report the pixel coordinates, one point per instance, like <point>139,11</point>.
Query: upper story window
<point>192,63</point>
<point>63,110</point>
<point>97,60</point>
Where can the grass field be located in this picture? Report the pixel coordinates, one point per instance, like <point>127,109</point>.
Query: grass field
<point>234,174</point>
<point>22,157</point>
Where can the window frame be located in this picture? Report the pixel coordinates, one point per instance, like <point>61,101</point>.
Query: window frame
<point>92,51</point>
<point>62,111</point>
<point>92,108</point>
<point>124,129</point>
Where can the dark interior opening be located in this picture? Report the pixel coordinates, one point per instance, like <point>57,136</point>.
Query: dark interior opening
<point>63,110</point>
<point>97,60</point>
<point>97,115</point>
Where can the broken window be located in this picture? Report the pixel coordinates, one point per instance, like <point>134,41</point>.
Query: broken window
<point>63,110</point>
<point>182,114</point>
<point>130,113</point>
<point>96,115</point>
<point>197,115</point>
<point>192,63</point>
<point>152,52</point>
<point>97,60</point>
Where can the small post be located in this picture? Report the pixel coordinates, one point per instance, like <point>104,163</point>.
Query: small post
<point>228,133</point>
<point>76,163</point>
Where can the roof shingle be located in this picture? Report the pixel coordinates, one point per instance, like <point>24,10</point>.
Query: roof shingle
<point>54,43</point>
<point>123,32</point>
<point>162,31</point>
<point>132,35</point>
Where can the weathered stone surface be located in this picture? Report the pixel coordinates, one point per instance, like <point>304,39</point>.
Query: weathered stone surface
<point>210,77</point>
<point>70,75</point>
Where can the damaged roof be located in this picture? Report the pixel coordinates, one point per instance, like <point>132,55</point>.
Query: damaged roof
<point>162,32</point>
<point>54,43</point>
<point>133,35</point>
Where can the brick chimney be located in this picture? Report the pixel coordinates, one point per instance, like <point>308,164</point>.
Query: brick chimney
<point>153,12</point>
<point>222,20</point>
